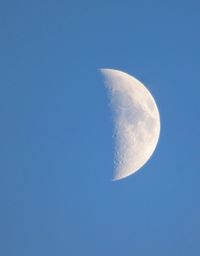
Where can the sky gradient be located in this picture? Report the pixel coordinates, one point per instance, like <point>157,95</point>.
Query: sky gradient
<point>56,130</point>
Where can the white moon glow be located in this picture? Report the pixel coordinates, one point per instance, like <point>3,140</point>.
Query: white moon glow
<point>137,122</point>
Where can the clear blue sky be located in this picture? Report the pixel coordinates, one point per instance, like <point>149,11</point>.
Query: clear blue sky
<point>56,144</point>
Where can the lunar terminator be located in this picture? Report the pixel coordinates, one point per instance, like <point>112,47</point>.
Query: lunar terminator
<point>137,122</point>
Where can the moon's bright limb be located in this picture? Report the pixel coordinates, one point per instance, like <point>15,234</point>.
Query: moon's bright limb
<point>137,122</point>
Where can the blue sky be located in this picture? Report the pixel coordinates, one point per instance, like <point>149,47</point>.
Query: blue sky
<point>56,131</point>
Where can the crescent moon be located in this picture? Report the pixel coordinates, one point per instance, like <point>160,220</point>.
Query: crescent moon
<point>137,122</point>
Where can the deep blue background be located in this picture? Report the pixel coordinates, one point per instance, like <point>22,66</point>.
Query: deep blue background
<point>56,144</point>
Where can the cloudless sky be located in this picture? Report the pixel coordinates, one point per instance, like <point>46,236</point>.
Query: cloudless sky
<point>56,128</point>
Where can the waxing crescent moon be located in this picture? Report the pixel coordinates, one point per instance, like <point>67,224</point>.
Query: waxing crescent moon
<point>137,122</point>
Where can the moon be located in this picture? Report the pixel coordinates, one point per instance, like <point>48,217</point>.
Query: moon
<point>137,122</point>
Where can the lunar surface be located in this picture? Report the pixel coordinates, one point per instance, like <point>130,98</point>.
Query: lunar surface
<point>137,122</point>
